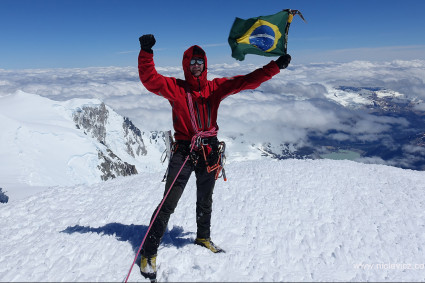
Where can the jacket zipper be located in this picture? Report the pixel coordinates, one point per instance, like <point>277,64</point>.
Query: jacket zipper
<point>203,106</point>
<point>209,114</point>
<point>200,126</point>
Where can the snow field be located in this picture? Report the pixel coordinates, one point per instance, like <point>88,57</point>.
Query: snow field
<point>289,220</point>
<point>41,145</point>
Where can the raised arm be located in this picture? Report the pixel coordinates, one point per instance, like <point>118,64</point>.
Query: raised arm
<point>151,79</point>
<point>229,86</point>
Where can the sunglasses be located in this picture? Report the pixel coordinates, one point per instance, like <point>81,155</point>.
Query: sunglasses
<point>198,61</point>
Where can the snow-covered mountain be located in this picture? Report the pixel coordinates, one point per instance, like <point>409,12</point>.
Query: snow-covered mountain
<point>51,143</point>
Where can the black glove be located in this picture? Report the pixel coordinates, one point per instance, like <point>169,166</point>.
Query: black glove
<point>283,61</point>
<point>146,42</point>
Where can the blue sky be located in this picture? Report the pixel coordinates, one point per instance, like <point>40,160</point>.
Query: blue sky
<point>89,33</point>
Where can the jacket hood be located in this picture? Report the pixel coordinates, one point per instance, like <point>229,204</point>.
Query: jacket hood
<point>194,51</point>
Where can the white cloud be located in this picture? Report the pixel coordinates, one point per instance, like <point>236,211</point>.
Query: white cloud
<point>293,105</point>
<point>420,106</point>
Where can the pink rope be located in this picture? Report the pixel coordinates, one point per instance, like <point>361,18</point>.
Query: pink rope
<point>194,145</point>
<point>198,134</point>
<point>153,220</point>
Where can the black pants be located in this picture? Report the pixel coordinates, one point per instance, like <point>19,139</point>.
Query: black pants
<point>205,185</point>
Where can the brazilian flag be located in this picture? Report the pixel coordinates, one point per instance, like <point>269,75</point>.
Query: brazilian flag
<point>264,35</point>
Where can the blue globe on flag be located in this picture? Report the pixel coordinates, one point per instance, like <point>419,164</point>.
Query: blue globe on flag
<point>262,37</point>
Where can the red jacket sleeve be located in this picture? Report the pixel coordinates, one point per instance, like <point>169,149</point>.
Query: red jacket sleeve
<point>154,82</point>
<point>228,86</point>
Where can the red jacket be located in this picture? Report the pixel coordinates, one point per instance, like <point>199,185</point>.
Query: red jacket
<point>206,95</point>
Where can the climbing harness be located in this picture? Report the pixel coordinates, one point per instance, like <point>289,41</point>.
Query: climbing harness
<point>218,165</point>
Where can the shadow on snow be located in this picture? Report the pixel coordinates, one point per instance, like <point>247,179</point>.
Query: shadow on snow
<point>134,234</point>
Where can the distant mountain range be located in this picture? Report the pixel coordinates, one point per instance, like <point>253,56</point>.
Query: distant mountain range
<point>397,146</point>
<point>48,142</point>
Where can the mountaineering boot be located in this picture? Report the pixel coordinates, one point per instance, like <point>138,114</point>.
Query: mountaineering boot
<point>148,267</point>
<point>207,243</point>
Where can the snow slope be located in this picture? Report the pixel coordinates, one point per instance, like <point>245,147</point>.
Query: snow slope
<point>292,220</point>
<point>41,145</point>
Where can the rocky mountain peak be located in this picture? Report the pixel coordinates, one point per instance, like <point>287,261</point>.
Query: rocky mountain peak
<point>118,134</point>
<point>92,119</point>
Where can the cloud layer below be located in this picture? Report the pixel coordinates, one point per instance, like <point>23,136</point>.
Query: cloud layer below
<point>320,100</point>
